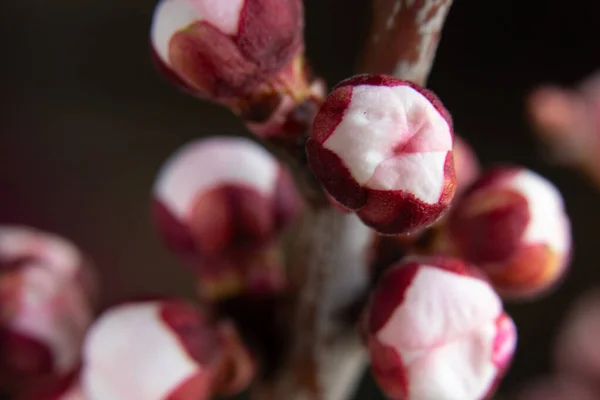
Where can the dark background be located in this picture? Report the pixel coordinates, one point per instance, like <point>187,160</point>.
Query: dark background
<point>85,123</point>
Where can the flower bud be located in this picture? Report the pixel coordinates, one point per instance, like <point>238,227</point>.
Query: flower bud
<point>246,54</point>
<point>45,307</point>
<point>222,201</point>
<point>161,350</point>
<point>382,147</point>
<point>436,330</point>
<point>512,224</point>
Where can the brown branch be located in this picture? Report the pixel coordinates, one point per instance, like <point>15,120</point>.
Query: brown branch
<point>404,37</point>
<point>328,258</point>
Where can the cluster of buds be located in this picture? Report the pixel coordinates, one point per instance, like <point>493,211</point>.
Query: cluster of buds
<point>221,204</point>
<point>512,224</point>
<point>382,148</point>
<point>437,330</point>
<point>245,54</point>
<point>161,350</point>
<point>47,295</point>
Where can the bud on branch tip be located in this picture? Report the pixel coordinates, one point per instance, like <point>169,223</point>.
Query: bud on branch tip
<point>382,147</point>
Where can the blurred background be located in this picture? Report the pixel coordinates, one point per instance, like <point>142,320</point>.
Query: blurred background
<point>86,121</point>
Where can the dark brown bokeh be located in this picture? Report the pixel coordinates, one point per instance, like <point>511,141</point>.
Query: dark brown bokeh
<point>85,123</point>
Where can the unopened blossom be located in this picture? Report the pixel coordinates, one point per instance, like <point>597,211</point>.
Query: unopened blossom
<point>46,306</point>
<point>246,54</point>
<point>222,203</point>
<point>162,350</point>
<point>437,330</point>
<point>512,223</point>
<point>382,147</point>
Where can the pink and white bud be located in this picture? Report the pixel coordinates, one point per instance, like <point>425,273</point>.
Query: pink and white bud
<point>219,201</point>
<point>160,350</point>
<point>437,330</point>
<point>576,349</point>
<point>466,164</point>
<point>512,224</point>
<point>246,54</point>
<point>382,147</point>
<point>45,306</point>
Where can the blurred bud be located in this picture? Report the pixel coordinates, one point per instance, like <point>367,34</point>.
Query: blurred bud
<point>382,147</point>
<point>246,54</point>
<point>223,202</point>
<point>45,306</point>
<point>466,164</point>
<point>162,350</point>
<point>568,121</point>
<point>436,330</point>
<point>512,224</point>
<point>576,349</point>
<point>557,388</point>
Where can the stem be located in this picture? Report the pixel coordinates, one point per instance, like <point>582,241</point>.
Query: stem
<point>404,37</point>
<point>328,259</point>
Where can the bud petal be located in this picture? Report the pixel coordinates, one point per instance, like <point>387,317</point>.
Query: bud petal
<point>155,350</point>
<point>513,225</point>
<point>436,330</point>
<point>222,201</point>
<point>246,54</point>
<point>383,148</point>
<point>45,306</point>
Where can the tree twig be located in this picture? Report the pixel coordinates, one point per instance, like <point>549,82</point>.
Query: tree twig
<point>328,260</point>
<point>404,37</point>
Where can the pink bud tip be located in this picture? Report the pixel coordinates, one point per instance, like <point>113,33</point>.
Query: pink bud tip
<point>155,350</point>
<point>382,147</point>
<point>437,330</point>
<point>512,224</point>
<point>222,197</point>
<point>45,306</point>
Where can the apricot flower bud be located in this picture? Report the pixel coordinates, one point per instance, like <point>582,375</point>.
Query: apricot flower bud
<point>382,147</point>
<point>512,224</point>
<point>220,201</point>
<point>45,306</point>
<point>246,54</point>
<point>161,350</point>
<point>436,330</point>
